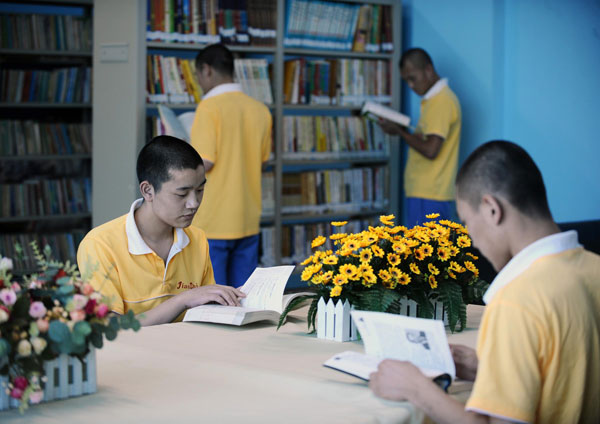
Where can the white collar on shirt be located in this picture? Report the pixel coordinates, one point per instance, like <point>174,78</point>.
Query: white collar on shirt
<point>548,245</point>
<point>137,245</point>
<point>223,88</point>
<point>435,88</point>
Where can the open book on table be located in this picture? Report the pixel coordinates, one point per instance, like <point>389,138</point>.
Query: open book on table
<point>176,126</point>
<point>420,341</point>
<point>376,110</point>
<point>264,300</point>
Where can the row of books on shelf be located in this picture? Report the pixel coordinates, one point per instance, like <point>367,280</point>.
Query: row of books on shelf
<point>46,32</point>
<point>329,137</point>
<point>336,81</point>
<point>346,190</point>
<point>63,85</point>
<point>63,245</point>
<point>18,137</point>
<point>173,79</point>
<point>338,26</point>
<point>38,197</point>
<point>212,21</point>
<point>296,239</point>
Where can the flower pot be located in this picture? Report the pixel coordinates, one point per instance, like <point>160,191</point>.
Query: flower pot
<point>334,321</point>
<point>66,377</point>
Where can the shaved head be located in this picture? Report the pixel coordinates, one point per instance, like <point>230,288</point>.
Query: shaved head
<point>504,169</point>
<point>417,57</point>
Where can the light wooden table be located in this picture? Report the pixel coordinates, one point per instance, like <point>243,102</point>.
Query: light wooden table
<point>211,373</point>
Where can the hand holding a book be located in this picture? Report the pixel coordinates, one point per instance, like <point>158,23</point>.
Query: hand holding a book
<point>392,128</point>
<point>465,360</point>
<point>399,381</point>
<point>223,295</point>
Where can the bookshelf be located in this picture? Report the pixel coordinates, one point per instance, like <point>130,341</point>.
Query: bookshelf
<point>45,126</point>
<point>277,220</point>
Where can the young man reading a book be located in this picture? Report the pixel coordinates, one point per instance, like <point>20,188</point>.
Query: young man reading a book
<point>151,261</point>
<point>232,133</point>
<point>539,339</point>
<point>433,147</point>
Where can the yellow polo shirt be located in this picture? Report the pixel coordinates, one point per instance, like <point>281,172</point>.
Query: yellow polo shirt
<point>434,179</point>
<point>539,343</point>
<point>127,271</point>
<point>233,131</point>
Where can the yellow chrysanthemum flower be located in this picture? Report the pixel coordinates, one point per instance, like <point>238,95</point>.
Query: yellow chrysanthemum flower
<point>327,277</point>
<point>472,255</point>
<point>432,215</point>
<point>307,273</point>
<point>399,247</point>
<point>454,266</point>
<point>412,243</point>
<point>463,241</point>
<point>335,291</point>
<point>415,269</point>
<point>366,255</point>
<point>419,255</point>
<point>433,269</point>
<point>306,261</point>
<point>319,241</point>
<point>351,245</point>
<point>377,251</point>
<point>317,279</point>
<point>340,279</point>
<point>404,278</point>
<point>338,236</point>
<point>364,268</point>
<point>387,219</point>
<point>452,275</point>
<point>423,237</point>
<point>442,241</point>
<point>432,282</point>
<point>445,222</point>
<point>453,250</point>
<point>435,233</point>
<point>394,230</point>
<point>393,259</point>
<point>471,267</point>
<point>371,237</point>
<point>369,277</point>
<point>384,275</point>
<point>339,223</point>
<point>427,249</point>
<point>317,267</point>
<point>443,254</point>
<point>394,272</point>
<point>330,260</point>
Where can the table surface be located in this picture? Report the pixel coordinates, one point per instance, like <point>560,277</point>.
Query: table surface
<point>198,372</point>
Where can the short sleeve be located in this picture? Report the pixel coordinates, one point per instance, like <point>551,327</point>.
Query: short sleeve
<point>208,277</point>
<point>437,118</point>
<point>267,140</point>
<point>508,382</point>
<point>96,264</point>
<point>204,135</point>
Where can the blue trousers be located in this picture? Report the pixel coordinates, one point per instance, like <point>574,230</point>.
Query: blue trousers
<point>233,260</point>
<point>417,208</point>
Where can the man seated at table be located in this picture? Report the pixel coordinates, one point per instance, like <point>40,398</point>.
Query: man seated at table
<point>150,260</point>
<point>539,339</point>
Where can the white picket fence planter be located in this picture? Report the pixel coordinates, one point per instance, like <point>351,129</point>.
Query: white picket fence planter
<point>335,323</point>
<point>66,377</point>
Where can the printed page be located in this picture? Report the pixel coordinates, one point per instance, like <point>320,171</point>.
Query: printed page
<point>420,341</point>
<point>354,363</point>
<point>233,315</point>
<point>264,288</point>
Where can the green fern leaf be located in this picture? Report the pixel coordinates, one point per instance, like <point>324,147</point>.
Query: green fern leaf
<point>291,306</point>
<point>451,296</point>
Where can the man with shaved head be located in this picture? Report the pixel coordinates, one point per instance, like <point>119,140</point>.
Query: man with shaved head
<point>433,147</point>
<point>539,339</point>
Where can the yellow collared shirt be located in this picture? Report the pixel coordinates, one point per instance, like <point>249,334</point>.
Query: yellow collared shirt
<point>135,278</point>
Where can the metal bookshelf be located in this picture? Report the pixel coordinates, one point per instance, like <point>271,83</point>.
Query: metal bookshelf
<point>62,217</point>
<point>26,52</point>
<point>82,156</point>
<point>45,105</point>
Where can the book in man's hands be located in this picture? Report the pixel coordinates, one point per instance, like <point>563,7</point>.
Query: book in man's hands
<point>176,126</point>
<point>422,342</point>
<point>376,110</point>
<point>264,300</point>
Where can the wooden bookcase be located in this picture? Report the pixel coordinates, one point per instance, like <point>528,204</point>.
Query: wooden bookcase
<point>131,23</point>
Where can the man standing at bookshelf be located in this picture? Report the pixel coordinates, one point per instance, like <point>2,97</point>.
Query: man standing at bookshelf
<point>150,261</point>
<point>539,338</point>
<point>433,147</point>
<point>232,133</point>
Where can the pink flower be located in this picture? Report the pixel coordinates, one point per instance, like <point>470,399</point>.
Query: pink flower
<point>8,296</point>
<point>43,325</point>
<point>79,301</point>
<point>36,397</point>
<point>102,310</point>
<point>77,315</point>
<point>36,284</point>
<point>16,393</point>
<point>37,310</point>
<point>16,287</point>
<point>87,289</point>
<point>20,382</point>
<point>4,314</point>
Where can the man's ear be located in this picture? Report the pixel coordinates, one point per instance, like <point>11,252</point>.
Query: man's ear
<point>492,209</point>
<point>147,191</point>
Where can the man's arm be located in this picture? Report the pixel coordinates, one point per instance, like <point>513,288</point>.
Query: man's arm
<point>169,310</point>
<point>429,146</point>
<point>400,381</point>
<point>465,361</point>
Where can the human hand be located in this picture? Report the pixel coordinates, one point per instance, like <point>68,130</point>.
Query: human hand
<point>223,295</point>
<point>396,380</point>
<point>390,127</point>
<point>465,360</point>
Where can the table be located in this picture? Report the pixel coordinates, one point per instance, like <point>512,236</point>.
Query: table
<point>211,373</point>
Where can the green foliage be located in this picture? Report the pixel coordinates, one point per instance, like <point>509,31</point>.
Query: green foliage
<point>293,305</point>
<point>451,296</point>
<point>377,299</point>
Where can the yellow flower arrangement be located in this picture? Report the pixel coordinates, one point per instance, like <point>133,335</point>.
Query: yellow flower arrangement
<point>381,267</point>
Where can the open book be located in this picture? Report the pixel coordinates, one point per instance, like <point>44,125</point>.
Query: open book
<point>176,126</point>
<point>388,336</point>
<point>376,110</point>
<point>264,300</point>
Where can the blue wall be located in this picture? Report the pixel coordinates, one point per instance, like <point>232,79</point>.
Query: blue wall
<point>527,71</point>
